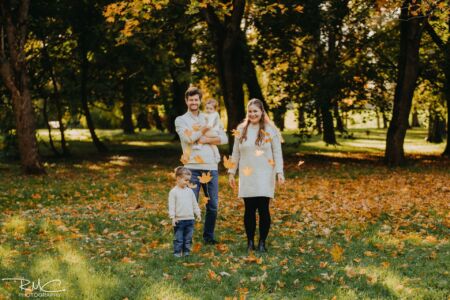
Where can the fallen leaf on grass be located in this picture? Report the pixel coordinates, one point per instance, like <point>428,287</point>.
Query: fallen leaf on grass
<point>310,287</point>
<point>336,253</point>
<point>193,265</point>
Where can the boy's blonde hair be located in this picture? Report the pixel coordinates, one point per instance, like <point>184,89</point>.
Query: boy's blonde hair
<point>180,171</point>
<point>213,102</point>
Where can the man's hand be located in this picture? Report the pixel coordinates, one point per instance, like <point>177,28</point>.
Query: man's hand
<point>174,222</point>
<point>231,180</point>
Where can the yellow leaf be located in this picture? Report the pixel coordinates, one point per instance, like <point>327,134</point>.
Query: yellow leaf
<point>236,133</point>
<point>310,287</point>
<point>126,260</point>
<point>323,264</point>
<point>336,253</point>
<point>385,264</point>
<point>228,163</point>
<point>205,178</point>
<point>268,140</point>
<point>299,9</point>
<point>371,279</point>
<point>196,127</point>
<point>196,248</point>
<point>259,152</point>
<point>199,159</point>
<point>247,171</point>
<point>271,162</point>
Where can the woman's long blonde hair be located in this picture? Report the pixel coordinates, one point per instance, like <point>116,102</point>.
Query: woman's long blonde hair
<point>262,123</point>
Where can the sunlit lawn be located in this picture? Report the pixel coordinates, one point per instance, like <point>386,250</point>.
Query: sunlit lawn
<point>343,226</point>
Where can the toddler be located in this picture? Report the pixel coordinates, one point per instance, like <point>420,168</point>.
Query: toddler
<point>182,207</point>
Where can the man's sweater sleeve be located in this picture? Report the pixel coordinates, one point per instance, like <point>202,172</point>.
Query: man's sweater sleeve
<point>186,134</point>
<point>172,204</point>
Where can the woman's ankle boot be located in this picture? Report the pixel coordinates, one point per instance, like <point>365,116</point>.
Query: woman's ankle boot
<point>262,246</point>
<point>250,245</point>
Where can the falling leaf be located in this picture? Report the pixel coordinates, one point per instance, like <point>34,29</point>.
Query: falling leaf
<point>205,178</point>
<point>271,162</point>
<point>196,127</point>
<point>259,152</point>
<point>300,162</point>
<point>268,140</point>
<point>236,133</point>
<point>336,253</point>
<point>228,163</point>
<point>199,159</point>
<point>187,132</point>
<point>192,186</point>
<point>247,171</point>
<point>299,9</point>
<point>265,133</point>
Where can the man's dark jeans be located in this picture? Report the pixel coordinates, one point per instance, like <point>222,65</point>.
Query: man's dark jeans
<point>211,190</point>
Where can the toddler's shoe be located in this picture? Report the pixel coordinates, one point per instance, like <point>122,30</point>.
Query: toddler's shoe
<point>187,253</point>
<point>177,254</point>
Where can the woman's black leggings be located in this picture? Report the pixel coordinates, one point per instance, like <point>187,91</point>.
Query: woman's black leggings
<point>262,205</point>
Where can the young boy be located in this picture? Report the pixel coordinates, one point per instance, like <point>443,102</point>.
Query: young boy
<point>182,207</point>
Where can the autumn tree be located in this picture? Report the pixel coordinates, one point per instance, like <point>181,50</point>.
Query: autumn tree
<point>14,72</point>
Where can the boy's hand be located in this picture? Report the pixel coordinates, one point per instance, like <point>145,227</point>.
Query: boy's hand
<point>199,218</point>
<point>174,222</point>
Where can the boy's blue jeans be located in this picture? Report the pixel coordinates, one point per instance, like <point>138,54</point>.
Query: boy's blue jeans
<point>183,230</point>
<point>211,190</point>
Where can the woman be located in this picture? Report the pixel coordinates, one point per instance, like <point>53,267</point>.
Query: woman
<point>257,154</point>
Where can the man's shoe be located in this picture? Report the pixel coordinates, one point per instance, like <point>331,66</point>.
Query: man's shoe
<point>250,245</point>
<point>262,246</point>
<point>211,242</point>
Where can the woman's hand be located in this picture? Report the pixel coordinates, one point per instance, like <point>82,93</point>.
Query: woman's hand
<point>280,177</point>
<point>231,180</point>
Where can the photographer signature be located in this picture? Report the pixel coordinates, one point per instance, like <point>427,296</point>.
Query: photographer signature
<point>25,285</point>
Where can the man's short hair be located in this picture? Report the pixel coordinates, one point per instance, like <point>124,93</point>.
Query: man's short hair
<point>192,91</point>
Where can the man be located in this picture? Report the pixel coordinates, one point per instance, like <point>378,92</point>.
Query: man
<point>200,156</point>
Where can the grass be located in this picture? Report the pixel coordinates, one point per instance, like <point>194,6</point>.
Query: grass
<point>343,226</point>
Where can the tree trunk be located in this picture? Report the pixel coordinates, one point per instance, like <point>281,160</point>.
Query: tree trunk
<point>84,94</point>
<point>279,114</point>
<point>250,76</point>
<point>301,117</point>
<point>318,121</point>
<point>339,124</point>
<point>434,127</point>
<point>127,110</point>
<point>415,118</point>
<point>181,78</point>
<point>13,69</point>
<point>49,128</point>
<point>377,113</point>
<point>229,60</point>
<point>447,87</point>
<point>56,98</point>
<point>408,69</point>
<point>328,128</point>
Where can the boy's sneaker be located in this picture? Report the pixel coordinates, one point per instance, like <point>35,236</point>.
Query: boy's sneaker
<point>177,254</point>
<point>187,253</point>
